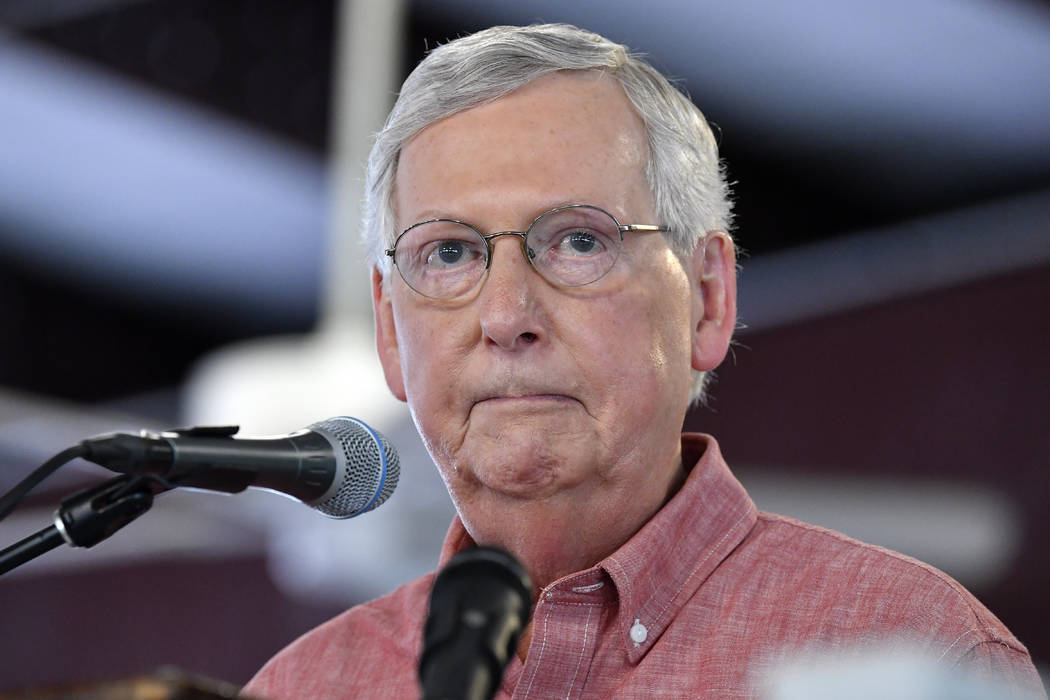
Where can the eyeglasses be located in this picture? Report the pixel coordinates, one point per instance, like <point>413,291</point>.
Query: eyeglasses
<point>569,246</point>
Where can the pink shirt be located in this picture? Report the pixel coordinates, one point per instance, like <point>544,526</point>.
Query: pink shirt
<point>703,602</point>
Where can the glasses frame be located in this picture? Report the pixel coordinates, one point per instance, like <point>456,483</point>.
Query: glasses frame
<point>524,236</point>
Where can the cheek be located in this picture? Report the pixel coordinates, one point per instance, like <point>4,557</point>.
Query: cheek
<point>428,375</point>
<point>643,351</point>
<point>414,361</point>
<point>648,353</point>
<point>432,350</point>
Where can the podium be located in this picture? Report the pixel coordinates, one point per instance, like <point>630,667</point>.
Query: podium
<point>165,684</point>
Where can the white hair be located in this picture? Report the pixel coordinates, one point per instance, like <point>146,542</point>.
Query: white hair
<point>684,172</point>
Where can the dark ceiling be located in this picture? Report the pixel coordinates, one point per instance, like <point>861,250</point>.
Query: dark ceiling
<point>269,65</point>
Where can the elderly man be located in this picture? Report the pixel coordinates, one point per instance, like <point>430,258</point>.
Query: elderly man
<point>552,278</point>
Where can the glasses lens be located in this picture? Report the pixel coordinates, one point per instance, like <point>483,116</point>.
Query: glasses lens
<point>441,259</point>
<point>574,246</point>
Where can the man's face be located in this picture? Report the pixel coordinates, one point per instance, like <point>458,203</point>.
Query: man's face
<point>548,410</point>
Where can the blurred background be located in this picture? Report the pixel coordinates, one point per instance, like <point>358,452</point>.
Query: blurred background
<point>179,186</point>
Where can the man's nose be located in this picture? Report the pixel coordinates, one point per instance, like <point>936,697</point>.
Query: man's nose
<point>511,315</point>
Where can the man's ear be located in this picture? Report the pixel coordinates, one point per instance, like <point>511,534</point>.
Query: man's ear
<point>386,336</point>
<point>714,299</point>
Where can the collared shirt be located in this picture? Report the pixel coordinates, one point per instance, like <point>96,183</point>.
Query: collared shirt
<point>707,600</point>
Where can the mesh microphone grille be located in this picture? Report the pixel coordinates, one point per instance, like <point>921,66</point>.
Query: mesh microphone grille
<point>368,467</point>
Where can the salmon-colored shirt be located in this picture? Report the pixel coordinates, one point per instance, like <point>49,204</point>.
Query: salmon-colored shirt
<point>706,601</point>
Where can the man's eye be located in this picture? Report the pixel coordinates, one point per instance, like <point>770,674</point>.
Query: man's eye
<point>447,254</point>
<point>580,242</point>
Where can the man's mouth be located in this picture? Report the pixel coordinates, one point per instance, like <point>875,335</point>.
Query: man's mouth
<point>524,398</point>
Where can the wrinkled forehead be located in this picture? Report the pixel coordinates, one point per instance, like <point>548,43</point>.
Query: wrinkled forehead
<point>572,137</point>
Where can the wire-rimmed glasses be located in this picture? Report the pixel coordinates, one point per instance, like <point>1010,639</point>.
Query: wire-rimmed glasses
<point>569,246</point>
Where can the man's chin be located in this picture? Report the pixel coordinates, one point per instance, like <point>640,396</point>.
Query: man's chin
<point>530,458</point>
<point>518,478</point>
<point>515,471</point>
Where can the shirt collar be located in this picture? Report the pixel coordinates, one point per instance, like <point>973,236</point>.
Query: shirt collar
<point>661,566</point>
<point>659,569</point>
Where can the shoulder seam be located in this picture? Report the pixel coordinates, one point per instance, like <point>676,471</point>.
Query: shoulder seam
<point>964,596</point>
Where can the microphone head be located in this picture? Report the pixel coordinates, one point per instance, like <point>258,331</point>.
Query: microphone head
<point>479,605</point>
<point>367,468</point>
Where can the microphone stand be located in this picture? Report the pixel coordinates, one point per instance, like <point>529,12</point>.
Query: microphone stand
<point>88,517</point>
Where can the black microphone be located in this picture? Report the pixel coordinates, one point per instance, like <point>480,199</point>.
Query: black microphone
<point>479,605</point>
<point>338,466</point>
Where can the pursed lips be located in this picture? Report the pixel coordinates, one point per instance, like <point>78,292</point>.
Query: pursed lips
<point>523,396</point>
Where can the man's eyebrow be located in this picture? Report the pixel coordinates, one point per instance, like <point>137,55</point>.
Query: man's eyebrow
<point>429,215</point>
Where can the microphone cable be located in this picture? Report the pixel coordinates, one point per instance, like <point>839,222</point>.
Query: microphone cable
<point>12,498</point>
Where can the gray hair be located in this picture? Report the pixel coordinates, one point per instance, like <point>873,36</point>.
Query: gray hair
<point>684,172</point>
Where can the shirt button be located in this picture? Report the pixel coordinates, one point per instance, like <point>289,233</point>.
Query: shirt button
<point>638,632</point>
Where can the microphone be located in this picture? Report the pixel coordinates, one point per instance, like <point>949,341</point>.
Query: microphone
<point>338,466</point>
<point>479,606</point>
